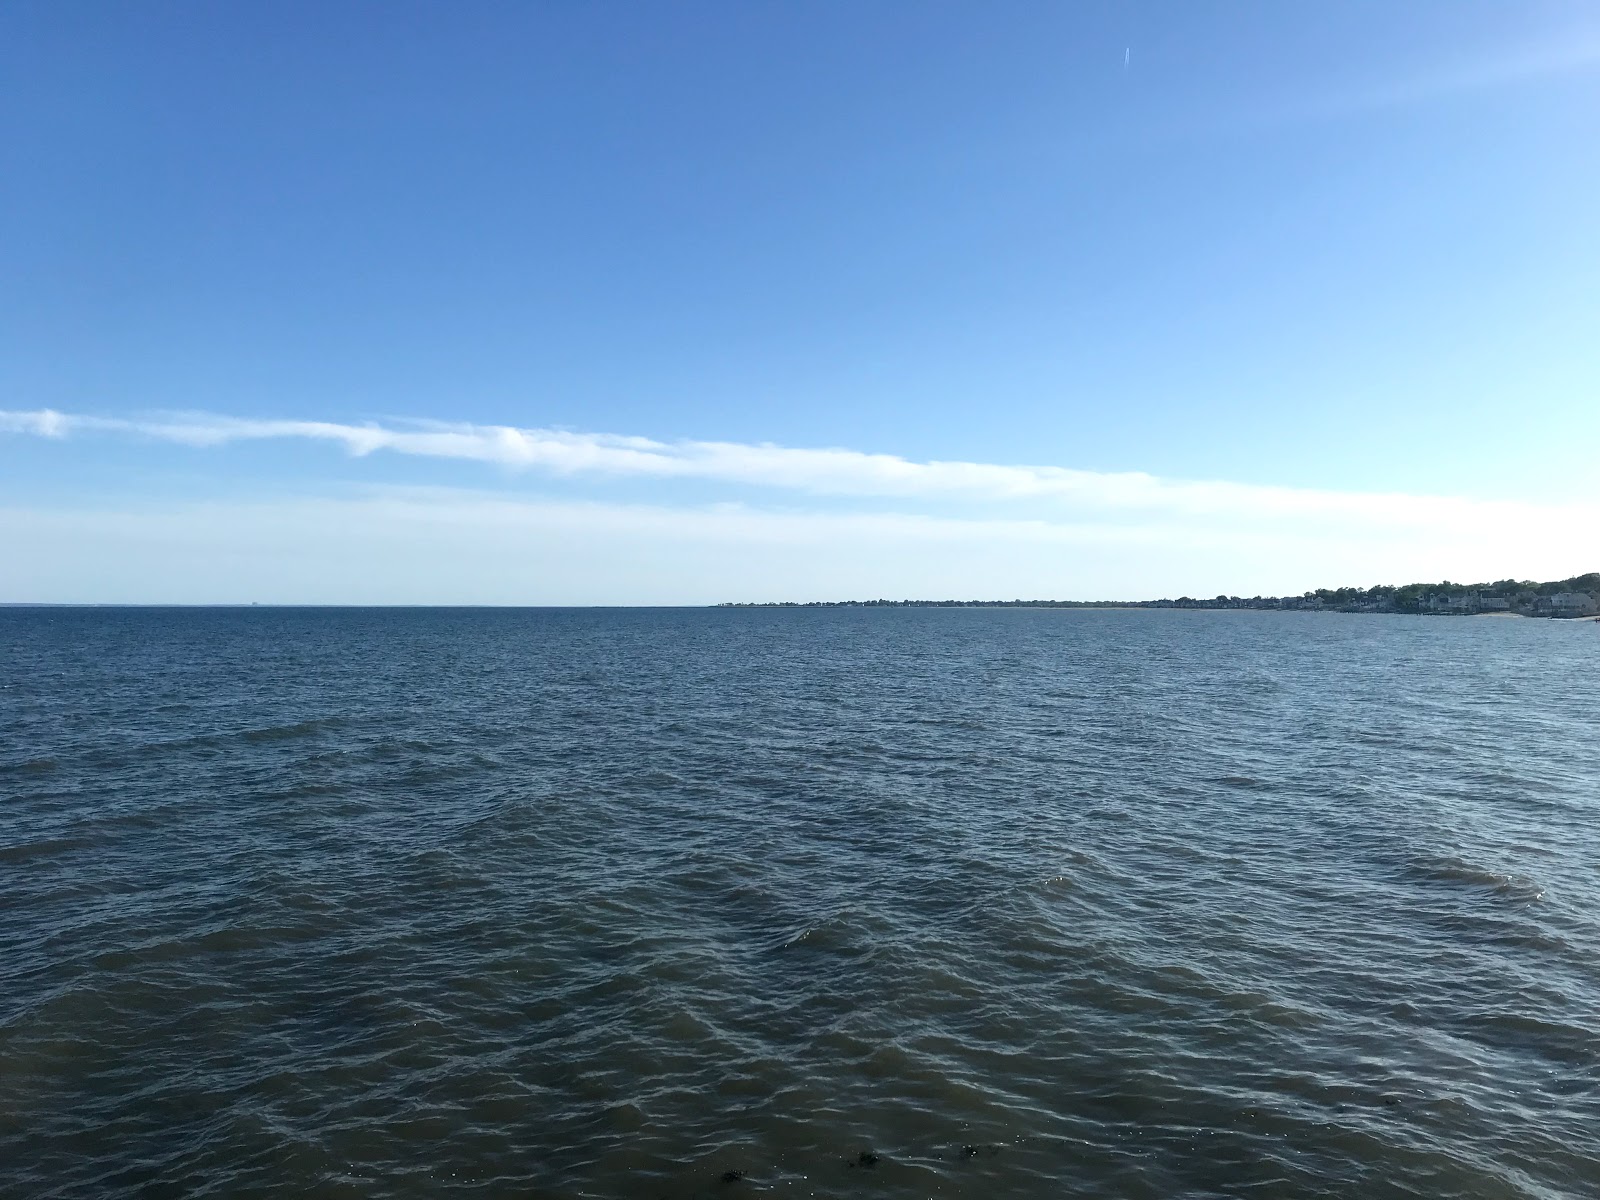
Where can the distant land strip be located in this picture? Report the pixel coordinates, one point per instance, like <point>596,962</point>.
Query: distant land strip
<point>1578,596</point>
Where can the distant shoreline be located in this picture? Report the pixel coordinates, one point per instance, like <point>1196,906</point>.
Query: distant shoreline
<point>1577,596</point>
<point>1134,607</point>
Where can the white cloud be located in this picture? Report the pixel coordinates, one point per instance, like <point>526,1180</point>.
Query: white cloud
<point>42,422</point>
<point>985,529</point>
<point>841,472</point>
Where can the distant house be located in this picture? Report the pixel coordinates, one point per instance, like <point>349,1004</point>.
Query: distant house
<point>1572,604</point>
<point>1494,604</point>
<point>1468,602</point>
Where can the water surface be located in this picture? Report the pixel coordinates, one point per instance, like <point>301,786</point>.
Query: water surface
<point>878,903</point>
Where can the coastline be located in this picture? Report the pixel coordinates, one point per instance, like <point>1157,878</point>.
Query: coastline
<point>1576,597</point>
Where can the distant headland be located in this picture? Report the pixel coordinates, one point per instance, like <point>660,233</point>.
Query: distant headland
<point>1578,596</point>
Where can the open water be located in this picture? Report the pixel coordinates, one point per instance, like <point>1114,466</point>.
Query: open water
<point>841,903</point>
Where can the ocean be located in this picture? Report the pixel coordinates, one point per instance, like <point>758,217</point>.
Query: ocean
<point>802,903</point>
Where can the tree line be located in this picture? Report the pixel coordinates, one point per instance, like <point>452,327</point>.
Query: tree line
<point>1409,597</point>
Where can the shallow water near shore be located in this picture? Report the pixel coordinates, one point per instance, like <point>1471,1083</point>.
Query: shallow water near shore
<point>877,903</point>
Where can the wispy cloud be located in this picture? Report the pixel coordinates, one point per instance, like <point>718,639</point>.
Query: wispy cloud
<point>831,472</point>
<point>1575,52</point>
<point>1566,55</point>
<point>42,423</point>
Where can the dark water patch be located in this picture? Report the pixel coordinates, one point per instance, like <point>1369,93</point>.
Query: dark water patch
<point>292,731</point>
<point>30,766</point>
<point>25,852</point>
<point>1242,782</point>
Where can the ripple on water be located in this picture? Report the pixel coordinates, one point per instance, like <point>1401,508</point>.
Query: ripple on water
<point>1453,871</point>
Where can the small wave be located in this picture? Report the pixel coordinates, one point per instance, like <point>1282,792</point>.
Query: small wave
<point>46,848</point>
<point>833,937</point>
<point>1453,871</point>
<point>284,733</point>
<point>1486,928</point>
<point>32,766</point>
<point>124,754</point>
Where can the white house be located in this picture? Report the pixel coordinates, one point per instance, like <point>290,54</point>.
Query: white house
<point>1572,604</point>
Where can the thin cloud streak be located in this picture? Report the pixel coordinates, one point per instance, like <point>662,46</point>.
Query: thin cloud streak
<point>1572,54</point>
<point>1576,52</point>
<point>829,472</point>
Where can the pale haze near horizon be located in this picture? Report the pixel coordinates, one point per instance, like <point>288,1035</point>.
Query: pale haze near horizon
<point>512,304</point>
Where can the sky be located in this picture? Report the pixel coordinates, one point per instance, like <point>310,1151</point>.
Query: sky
<point>606,303</point>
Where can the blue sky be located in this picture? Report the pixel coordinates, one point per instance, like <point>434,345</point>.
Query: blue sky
<point>1256,297</point>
